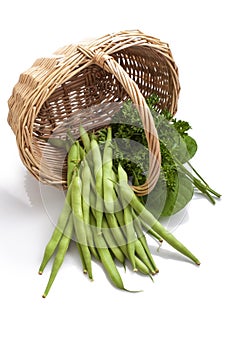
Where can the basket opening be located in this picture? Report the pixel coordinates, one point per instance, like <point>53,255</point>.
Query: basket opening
<point>94,86</point>
<point>149,70</point>
<point>91,87</point>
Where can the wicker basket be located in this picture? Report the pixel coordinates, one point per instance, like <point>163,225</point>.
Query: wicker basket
<point>109,70</point>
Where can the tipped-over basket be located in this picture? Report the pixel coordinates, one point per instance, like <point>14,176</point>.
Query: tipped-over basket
<point>81,83</point>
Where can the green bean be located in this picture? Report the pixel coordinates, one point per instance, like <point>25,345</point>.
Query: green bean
<point>57,233</point>
<point>98,173</point>
<point>76,199</point>
<point>139,250</point>
<point>83,261</point>
<point>80,156</point>
<point>140,264</point>
<point>108,262</point>
<point>143,241</point>
<point>59,258</point>
<point>73,158</point>
<point>86,189</point>
<point>113,222</point>
<point>78,243</point>
<point>128,225</point>
<point>106,232</point>
<point>93,136</point>
<point>151,231</point>
<point>91,245</point>
<point>82,152</point>
<point>130,235</point>
<point>108,185</point>
<point>112,243</point>
<point>118,235</point>
<point>148,229</point>
<point>93,208</point>
<point>142,267</point>
<point>116,230</point>
<point>147,217</point>
<point>85,138</point>
<point>119,220</point>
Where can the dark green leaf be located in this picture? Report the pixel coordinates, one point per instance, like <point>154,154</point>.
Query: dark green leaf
<point>191,146</point>
<point>164,201</point>
<point>176,200</point>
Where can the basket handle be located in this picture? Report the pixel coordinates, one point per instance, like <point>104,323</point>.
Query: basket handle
<point>109,64</point>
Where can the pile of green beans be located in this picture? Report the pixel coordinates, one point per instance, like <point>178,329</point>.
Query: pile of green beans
<point>103,216</point>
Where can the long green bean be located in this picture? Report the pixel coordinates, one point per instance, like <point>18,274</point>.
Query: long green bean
<point>59,258</point>
<point>57,233</point>
<point>76,195</point>
<point>146,216</point>
<point>98,173</point>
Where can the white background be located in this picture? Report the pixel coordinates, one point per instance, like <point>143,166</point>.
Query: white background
<point>186,307</point>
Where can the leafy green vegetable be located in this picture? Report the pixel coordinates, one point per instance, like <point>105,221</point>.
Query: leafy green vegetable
<point>176,183</point>
<point>178,199</point>
<point>170,201</point>
<point>191,146</point>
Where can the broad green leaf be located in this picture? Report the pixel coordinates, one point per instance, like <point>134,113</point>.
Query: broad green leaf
<point>163,201</point>
<point>176,200</point>
<point>156,199</point>
<point>191,146</point>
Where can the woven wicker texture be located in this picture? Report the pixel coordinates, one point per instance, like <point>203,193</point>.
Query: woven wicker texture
<point>81,84</point>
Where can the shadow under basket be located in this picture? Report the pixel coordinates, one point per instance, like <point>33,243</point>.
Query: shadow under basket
<point>85,84</point>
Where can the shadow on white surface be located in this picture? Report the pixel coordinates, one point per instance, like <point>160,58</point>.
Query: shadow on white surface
<point>43,197</point>
<point>14,214</point>
<point>173,222</point>
<point>169,254</point>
